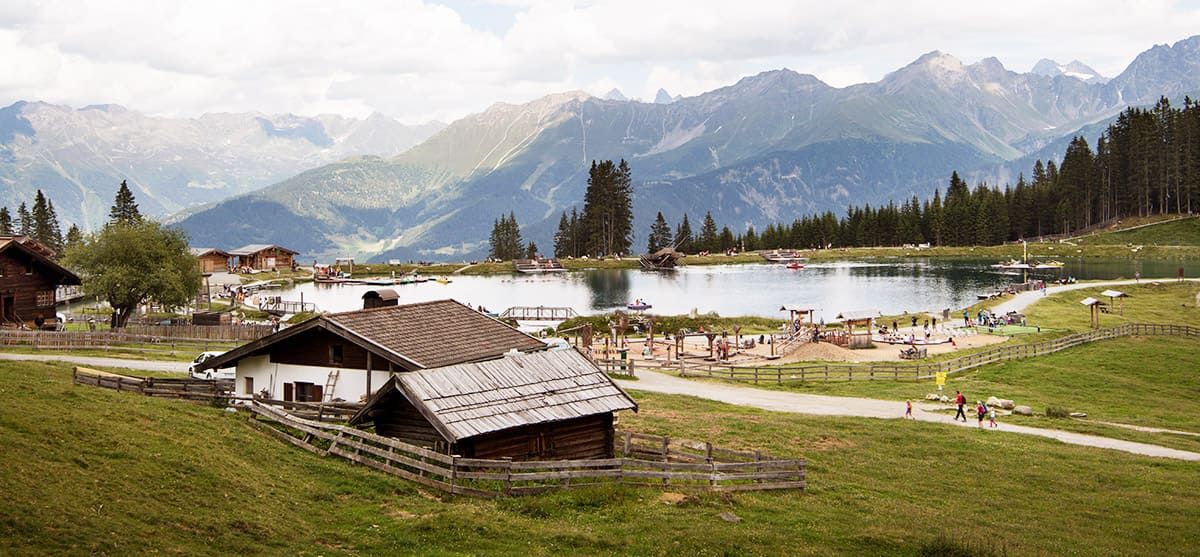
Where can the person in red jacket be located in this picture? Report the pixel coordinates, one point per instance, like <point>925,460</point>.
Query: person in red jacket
<point>960,400</point>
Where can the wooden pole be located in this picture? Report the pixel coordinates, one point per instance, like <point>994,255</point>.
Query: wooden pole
<point>368,376</point>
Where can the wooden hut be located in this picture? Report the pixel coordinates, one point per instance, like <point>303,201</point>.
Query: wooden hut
<point>29,278</point>
<point>1094,307</point>
<point>863,320</point>
<point>383,297</point>
<point>211,260</point>
<point>537,406</point>
<point>263,257</point>
<point>348,355</point>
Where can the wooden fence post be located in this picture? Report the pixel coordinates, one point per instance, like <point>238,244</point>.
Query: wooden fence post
<point>507,475</point>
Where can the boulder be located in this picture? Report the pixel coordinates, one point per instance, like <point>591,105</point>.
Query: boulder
<point>1023,410</point>
<point>945,399</point>
<point>1078,414</point>
<point>994,402</point>
<point>932,396</point>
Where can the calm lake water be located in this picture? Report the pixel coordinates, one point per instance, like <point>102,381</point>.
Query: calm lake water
<point>891,286</point>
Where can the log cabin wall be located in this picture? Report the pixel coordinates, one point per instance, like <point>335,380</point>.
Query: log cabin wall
<point>579,438</point>
<point>400,420</point>
<point>213,263</point>
<point>318,347</point>
<point>26,289</point>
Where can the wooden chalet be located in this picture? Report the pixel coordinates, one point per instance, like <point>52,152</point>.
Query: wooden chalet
<point>263,257</point>
<point>211,260</point>
<point>347,356</point>
<point>536,406</point>
<point>29,278</point>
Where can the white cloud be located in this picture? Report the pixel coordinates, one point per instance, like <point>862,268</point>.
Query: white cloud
<point>417,59</point>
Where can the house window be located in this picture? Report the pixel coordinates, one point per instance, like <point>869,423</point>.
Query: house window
<point>45,298</point>
<point>29,268</point>
<point>249,386</point>
<point>2,268</point>
<point>335,354</point>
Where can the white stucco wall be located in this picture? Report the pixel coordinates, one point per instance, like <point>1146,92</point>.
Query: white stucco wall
<point>351,384</point>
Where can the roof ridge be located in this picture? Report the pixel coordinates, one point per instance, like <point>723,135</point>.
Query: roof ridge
<point>396,307</point>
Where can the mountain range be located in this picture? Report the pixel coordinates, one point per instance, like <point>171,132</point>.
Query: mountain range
<point>79,156</point>
<point>768,148</point>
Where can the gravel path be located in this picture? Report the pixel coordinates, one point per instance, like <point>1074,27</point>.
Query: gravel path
<point>149,365</point>
<point>780,401</point>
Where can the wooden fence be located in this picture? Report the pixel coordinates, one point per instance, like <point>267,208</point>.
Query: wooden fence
<point>204,332</point>
<point>126,340</point>
<point>641,460</point>
<point>618,367</point>
<point>187,389</point>
<point>896,371</point>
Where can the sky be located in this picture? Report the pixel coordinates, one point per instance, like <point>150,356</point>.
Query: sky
<point>440,60</point>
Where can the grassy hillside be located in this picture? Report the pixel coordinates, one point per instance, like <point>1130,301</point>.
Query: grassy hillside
<point>1174,233</point>
<point>1167,302</point>
<point>91,471</point>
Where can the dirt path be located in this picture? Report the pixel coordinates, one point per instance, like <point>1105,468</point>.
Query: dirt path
<point>1023,300</point>
<point>463,268</point>
<point>149,365</point>
<point>780,401</point>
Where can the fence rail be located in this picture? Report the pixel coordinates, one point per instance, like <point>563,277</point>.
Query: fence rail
<point>124,339</point>
<point>188,389</point>
<point>641,460</point>
<point>920,371</point>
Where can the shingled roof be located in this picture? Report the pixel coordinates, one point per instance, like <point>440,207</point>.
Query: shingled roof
<point>41,254</point>
<point>467,400</point>
<point>415,336</point>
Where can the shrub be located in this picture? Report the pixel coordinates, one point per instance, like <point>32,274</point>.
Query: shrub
<point>1057,412</point>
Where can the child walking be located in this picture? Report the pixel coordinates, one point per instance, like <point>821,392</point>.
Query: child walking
<point>980,411</point>
<point>908,410</point>
<point>991,417</point>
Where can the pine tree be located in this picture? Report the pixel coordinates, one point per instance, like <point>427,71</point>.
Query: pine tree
<point>563,238</point>
<point>660,234</point>
<point>6,223</point>
<point>24,221</point>
<point>683,234</point>
<point>74,238</point>
<point>708,234</point>
<point>725,241</point>
<point>607,220</point>
<point>531,251</point>
<point>125,208</point>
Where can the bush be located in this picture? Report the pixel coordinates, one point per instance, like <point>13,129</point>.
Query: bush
<point>1057,412</point>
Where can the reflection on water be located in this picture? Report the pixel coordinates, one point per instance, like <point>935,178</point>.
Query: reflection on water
<point>891,286</point>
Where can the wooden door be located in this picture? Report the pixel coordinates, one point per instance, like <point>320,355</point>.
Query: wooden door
<point>288,392</point>
<point>316,393</point>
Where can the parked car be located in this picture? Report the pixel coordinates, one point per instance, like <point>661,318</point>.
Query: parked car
<point>227,373</point>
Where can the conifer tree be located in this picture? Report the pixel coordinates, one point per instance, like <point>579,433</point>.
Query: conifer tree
<point>24,221</point>
<point>660,234</point>
<point>6,223</point>
<point>683,234</point>
<point>562,238</point>
<point>74,238</point>
<point>708,234</point>
<point>125,208</point>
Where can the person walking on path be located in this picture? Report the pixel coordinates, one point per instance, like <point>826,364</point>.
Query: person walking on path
<point>981,410</point>
<point>991,417</point>
<point>908,410</point>
<point>961,401</point>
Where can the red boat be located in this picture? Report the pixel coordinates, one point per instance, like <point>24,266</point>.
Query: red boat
<point>795,265</point>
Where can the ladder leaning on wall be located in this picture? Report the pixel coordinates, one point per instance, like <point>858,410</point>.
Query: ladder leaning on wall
<point>330,384</point>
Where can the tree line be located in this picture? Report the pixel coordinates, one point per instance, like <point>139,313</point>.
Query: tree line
<point>1146,162</point>
<point>40,223</point>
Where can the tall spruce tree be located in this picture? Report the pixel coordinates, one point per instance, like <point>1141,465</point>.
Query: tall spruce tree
<point>607,220</point>
<point>708,234</point>
<point>24,220</point>
<point>6,222</point>
<point>562,238</point>
<point>660,234</point>
<point>683,234</point>
<point>125,208</point>
<point>74,238</point>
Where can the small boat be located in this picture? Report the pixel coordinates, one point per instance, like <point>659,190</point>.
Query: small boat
<point>782,256</point>
<point>639,306</point>
<point>1012,264</point>
<point>443,280</point>
<point>794,265</point>
<point>1049,265</point>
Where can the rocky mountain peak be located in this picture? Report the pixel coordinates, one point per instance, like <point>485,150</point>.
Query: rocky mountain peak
<point>615,95</point>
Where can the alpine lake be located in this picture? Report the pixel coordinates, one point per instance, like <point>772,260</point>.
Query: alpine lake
<point>891,286</point>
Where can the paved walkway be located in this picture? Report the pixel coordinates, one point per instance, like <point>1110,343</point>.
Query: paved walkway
<point>781,401</point>
<point>1023,300</point>
<point>149,365</point>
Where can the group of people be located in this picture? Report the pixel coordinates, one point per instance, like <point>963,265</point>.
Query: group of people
<point>960,401</point>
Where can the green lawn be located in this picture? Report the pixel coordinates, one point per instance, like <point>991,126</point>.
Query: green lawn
<point>1184,232</point>
<point>1167,303</point>
<point>90,471</point>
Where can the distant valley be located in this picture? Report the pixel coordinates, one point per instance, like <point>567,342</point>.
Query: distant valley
<point>79,156</point>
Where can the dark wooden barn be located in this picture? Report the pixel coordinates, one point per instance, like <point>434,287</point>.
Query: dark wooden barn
<point>536,406</point>
<point>383,297</point>
<point>28,280</point>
